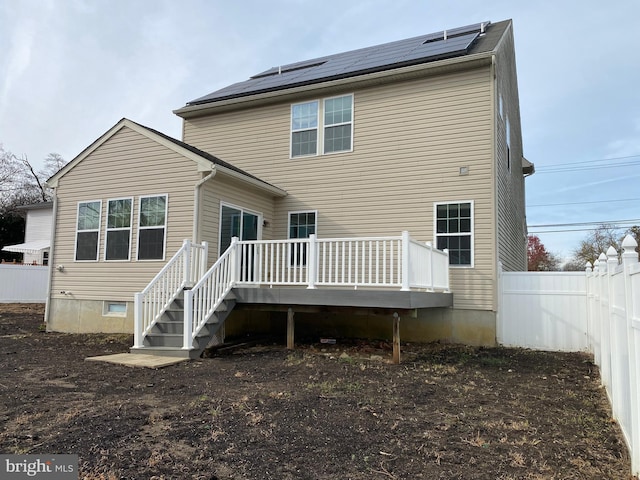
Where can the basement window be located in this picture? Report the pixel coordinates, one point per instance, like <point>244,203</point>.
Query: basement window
<point>114,309</point>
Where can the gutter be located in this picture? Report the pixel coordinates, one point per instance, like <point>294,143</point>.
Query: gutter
<point>197,193</point>
<point>52,256</point>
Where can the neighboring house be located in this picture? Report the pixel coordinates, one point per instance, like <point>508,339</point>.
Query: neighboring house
<point>37,234</point>
<point>420,135</point>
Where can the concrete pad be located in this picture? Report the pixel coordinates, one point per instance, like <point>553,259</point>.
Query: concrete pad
<point>138,360</point>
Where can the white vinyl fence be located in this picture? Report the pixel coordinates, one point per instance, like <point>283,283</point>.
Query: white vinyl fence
<point>23,283</point>
<point>596,311</point>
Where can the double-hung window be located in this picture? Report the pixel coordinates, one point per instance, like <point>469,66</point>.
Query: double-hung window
<point>88,230</point>
<point>328,123</point>
<point>338,122</point>
<point>301,225</point>
<point>454,231</point>
<point>152,227</point>
<point>304,129</point>
<point>118,243</point>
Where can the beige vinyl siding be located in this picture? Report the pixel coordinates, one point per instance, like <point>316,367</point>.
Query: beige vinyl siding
<point>512,242</point>
<point>232,192</point>
<point>410,139</point>
<point>126,165</point>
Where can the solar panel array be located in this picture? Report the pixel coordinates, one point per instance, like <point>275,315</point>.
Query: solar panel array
<point>411,51</point>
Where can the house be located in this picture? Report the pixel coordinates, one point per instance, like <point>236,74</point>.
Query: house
<point>276,177</point>
<point>37,234</point>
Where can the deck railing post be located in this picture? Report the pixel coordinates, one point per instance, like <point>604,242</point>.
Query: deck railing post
<point>204,260</point>
<point>137,321</point>
<point>406,264</point>
<point>188,320</point>
<point>446,270</point>
<point>431,279</point>
<point>187,263</point>
<point>234,259</point>
<point>312,262</point>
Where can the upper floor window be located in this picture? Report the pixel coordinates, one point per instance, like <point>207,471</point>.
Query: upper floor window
<point>88,230</point>
<point>328,123</point>
<point>152,227</point>
<point>338,120</point>
<point>118,243</point>
<point>304,129</point>
<point>454,231</point>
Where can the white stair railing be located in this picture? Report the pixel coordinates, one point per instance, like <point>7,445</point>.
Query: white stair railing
<point>201,301</point>
<point>182,271</point>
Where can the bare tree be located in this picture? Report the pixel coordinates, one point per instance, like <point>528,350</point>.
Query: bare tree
<point>20,184</point>
<point>596,242</point>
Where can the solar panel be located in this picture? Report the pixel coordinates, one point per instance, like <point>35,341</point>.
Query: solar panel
<point>414,50</point>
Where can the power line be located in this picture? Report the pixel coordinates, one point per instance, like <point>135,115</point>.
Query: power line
<point>592,167</point>
<point>577,224</point>
<point>583,203</point>
<point>581,162</point>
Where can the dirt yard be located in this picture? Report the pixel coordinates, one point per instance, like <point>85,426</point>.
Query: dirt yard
<point>320,412</point>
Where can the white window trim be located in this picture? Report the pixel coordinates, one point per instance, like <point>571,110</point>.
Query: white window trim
<point>107,229</point>
<point>324,127</point>
<point>293,212</point>
<point>472,233</point>
<point>166,221</point>
<point>320,128</point>
<point>107,313</point>
<point>292,131</point>
<point>242,210</point>
<point>508,138</point>
<point>75,240</point>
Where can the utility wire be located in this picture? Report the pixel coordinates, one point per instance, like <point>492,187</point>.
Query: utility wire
<point>591,167</point>
<point>577,224</point>
<point>583,203</point>
<point>588,161</point>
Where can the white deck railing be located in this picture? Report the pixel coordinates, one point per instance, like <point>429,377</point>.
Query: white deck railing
<point>392,262</point>
<point>182,271</point>
<point>374,262</point>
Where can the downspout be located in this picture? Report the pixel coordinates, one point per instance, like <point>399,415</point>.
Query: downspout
<point>197,193</point>
<point>494,191</point>
<point>52,237</point>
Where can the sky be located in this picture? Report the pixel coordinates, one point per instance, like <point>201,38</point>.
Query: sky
<point>70,69</point>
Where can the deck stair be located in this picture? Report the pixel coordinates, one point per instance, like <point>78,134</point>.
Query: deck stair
<point>186,304</point>
<point>166,336</point>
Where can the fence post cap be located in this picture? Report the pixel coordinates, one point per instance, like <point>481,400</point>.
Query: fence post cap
<point>588,267</point>
<point>629,242</point>
<point>611,253</point>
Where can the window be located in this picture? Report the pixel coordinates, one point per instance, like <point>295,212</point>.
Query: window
<point>114,309</point>
<point>334,133</point>
<point>508,134</point>
<point>118,229</point>
<point>338,118</point>
<point>454,231</point>
<point>304,129</point>
<point>88,230</point>
<point>301,225</point>
<point>152,227</point>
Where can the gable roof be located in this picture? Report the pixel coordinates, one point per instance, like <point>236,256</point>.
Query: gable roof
<point>458,42</point>
<point>204,160</point>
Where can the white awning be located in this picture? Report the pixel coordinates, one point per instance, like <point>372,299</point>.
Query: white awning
<point>36,246</point>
